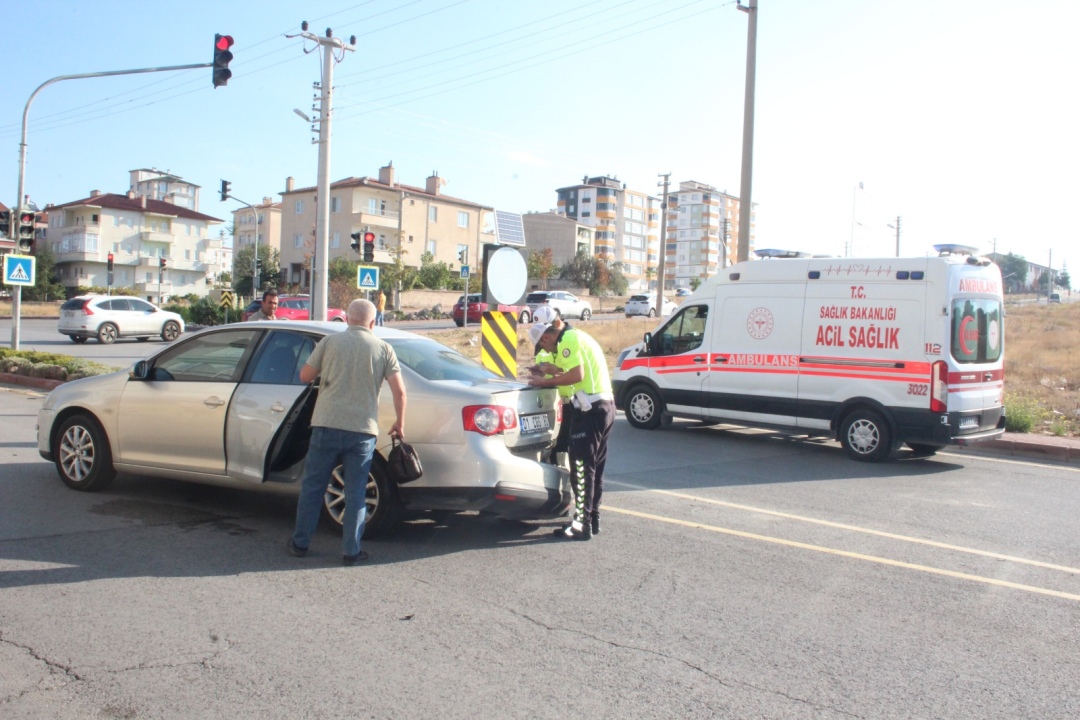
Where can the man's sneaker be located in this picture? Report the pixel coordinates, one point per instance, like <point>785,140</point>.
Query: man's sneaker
<point>294,549</point>
<point>353,559</point>
<point>596,524</point>
<point>575,531</point>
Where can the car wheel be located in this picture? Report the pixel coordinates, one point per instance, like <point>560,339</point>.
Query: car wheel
<point>337,319</point>
<point>459,323</point>
<point>585,314</point>
<point>383,502</point>
<point>107,334</point>
<point>652,312</point>
<point>142,338</point>
<point>171,331</point>
<point>77,339</point>
<point>525,317</point>
<point>866,436</point>
<point>82,454</point>
<point>643,407</point>
<point>924,450</point>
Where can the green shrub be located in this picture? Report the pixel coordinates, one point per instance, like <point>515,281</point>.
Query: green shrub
<point>1021,413</point>
<point>50,365</point>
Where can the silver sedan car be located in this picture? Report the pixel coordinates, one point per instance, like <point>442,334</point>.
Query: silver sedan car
<point>225,406</point>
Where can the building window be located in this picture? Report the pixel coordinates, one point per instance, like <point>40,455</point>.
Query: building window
<point>431,247</point>
<point>187,254</point>
<point>336,240</point>
<point>335,205</point>
<point>299,207</point>
<point>298,240</point>
<point>373,205</point>
<point>187,228</point>
<point>433,213</point>
<point>462,219</point>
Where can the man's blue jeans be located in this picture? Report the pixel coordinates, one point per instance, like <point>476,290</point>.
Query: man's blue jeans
<point>327,449</point>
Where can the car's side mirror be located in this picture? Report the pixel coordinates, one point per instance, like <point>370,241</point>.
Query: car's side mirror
<point>647,339</point>
<point>140,370</point>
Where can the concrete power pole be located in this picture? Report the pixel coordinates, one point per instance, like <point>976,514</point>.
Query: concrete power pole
<point>321,266</point>
<point>746,207</point>
<point>661,269</point>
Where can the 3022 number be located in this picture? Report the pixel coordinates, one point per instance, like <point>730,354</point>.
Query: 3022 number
<point>913,389</point>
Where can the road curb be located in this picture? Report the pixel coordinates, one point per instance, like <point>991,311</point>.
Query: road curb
<point>27,381</point>
<point>1049,450</point>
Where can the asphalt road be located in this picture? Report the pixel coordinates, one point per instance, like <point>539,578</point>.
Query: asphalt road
<point>739,575</point>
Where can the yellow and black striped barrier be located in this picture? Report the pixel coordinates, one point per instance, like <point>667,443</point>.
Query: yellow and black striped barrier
<point>498,349</point>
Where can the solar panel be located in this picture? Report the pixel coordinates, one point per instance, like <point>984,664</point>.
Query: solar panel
<point>509,230</point>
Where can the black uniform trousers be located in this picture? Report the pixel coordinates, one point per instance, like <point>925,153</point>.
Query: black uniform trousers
<point>589,432</point>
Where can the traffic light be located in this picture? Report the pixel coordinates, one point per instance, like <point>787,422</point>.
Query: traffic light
<point>369,246</point>
<point>5,224</point>
<point>163,264</point>
<point>110,266</point>
<point>222,57</point>
<point>258,265</point>
<point>463,256</point>
<point>25,233</point>
<point>356,241</point>
<point>226,186</point>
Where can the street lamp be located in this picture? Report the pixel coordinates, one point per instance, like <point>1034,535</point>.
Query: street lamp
<point>896,227</point>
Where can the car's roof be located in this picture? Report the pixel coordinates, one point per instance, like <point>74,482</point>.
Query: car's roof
<point>327,327</point>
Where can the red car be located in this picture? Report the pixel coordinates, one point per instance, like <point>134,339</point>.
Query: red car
<point>294,307</point>
<point>477,308</point>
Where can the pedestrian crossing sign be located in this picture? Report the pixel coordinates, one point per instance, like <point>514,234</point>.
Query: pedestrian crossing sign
<point>367,277</point>
<point>19,269</point>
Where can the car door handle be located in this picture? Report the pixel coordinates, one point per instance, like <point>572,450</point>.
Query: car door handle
<point>719,359</point>
<point>699,359</point>
<point>987,377</point>
<point>213,401</point>
<point>277,407</point>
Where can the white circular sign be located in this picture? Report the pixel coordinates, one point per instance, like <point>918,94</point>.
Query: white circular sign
<point>506,275</point>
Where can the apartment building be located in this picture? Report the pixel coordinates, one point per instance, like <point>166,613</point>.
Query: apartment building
<point>416,219</point>
<point>262,226</point>
<point>563,236</point>
<point>626,222</point>
<point>164,186</point>
<point>702,232</point>
<point>139,232</point>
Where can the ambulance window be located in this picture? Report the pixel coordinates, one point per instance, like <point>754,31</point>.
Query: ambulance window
<point>976,330</point>
<point>683,333</point>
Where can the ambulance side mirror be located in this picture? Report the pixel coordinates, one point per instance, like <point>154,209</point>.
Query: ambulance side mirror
<point>647,339</point>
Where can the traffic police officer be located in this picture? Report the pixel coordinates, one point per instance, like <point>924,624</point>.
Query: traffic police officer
<point>579,362</point>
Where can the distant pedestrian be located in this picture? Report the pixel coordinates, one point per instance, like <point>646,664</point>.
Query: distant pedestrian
<point>268,310</point>
<point>344,426</point>
<point>380,307</point>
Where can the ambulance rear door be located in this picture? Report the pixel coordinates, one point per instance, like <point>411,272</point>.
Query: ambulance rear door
<point>975,348</point>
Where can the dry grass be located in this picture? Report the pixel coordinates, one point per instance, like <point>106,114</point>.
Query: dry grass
<point>32,309</point>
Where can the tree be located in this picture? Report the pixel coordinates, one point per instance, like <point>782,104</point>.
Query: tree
<point>581,271</point>
<point>695,283</point>
<point>1014,270</point>
<point>540,265</point>
<point>45,286</point>
<point>433,275</point>
<point>600,274</point>
<point>244,267</point>
<point>1064,280</point>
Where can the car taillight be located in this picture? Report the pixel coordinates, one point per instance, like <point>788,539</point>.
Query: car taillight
<point>488,419</point>
<point>86,309</point>
<point>939,387</point>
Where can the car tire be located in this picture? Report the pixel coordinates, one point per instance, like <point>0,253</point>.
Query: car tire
<point>866,436</point>
<point>652,312</point>
<point>524,318</point>
<point>83,456</point>
<point>77,339</point>
<point>107,334</point>
<point>383,501</point>
<point>585,314</point>
<point>337,319</point>
<point>643,407</point>
<point>459,323</point>
<point>170,331</point>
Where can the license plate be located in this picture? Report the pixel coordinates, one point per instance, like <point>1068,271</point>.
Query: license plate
<point>534,423</point>
<point>966,423</point>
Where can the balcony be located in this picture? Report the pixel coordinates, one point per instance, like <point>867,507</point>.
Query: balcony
<point>152,236</point>
<point>376,218</point>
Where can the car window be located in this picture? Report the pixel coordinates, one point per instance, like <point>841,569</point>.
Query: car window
<point>536,297</point>
<point>683,333</point>
<point>140,305</point>
<point>433,361</point>
<point>74,304</point>
<point>281,357</point>
<point>640,298</point>
<point>213,357</point>
<point>118,305</point>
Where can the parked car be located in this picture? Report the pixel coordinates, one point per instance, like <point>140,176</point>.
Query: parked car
<point>225,406</point>
<point>567,305</point>
<point>110,317</point>
<point>646,305</point>
<point>1054,298</point>
<point>478,308</point>
<point>293,307</point>
<point>683,292</point>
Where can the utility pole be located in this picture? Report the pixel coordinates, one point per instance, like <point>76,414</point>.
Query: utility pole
<point>321,262</point>
<point>724,241</point>
<point>896,227</point>
<point>745,203</point>
<point>226,194</point>
<point>663,246</point>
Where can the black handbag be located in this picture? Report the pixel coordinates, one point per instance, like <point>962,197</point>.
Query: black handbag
<point>404,462</point>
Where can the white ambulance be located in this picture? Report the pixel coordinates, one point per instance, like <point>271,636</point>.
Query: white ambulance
<point>873,352</point>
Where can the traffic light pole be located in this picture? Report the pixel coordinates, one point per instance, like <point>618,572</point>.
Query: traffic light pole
<point>16,297</point>
<point>255,276</point>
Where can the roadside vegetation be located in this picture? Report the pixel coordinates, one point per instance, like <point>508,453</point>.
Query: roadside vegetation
<point>1042,358</point>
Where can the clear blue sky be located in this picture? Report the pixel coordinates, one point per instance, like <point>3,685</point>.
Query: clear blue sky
<point>959,116</point>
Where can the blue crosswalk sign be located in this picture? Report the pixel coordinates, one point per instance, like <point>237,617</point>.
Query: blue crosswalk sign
<point>367,277</point>
<point>19,269</point>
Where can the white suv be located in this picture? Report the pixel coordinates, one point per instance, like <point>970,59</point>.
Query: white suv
<point>567,305</point>
<point>108,318</point>
<point>646,305</point>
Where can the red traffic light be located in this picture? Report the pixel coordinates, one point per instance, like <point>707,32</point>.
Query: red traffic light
<point>369,237</point>
<point>223,42</point>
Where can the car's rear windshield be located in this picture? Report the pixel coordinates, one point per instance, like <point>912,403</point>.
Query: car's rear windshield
<point>536,297</point>
<point>639,297</point>
<point>74,304</point>
<point>433,361</point>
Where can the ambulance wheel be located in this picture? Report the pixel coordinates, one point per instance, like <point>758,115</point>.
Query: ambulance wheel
<point>865,436</point>
<point>643,408</point>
